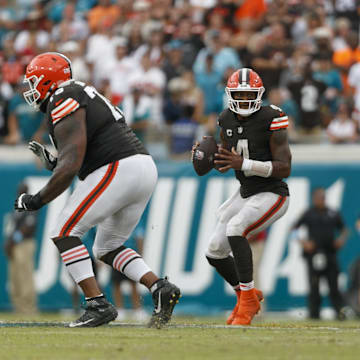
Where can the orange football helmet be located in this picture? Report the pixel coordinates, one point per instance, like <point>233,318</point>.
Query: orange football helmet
<point>44,74</point>
<point>244,81</point>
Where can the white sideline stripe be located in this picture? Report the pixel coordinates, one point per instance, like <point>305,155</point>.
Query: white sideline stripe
<point>183,326</point>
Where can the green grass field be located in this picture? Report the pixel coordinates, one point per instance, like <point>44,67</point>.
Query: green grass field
<point>186,338</point>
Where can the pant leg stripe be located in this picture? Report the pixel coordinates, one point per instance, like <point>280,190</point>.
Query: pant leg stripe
<point>90,199</point>
<point>274,209</point>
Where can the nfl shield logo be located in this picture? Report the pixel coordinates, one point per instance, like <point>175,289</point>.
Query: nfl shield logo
<point>240,130</point>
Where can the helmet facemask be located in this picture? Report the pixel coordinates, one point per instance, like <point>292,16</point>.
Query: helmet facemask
<point>33,95</point>
<point>244,107</point>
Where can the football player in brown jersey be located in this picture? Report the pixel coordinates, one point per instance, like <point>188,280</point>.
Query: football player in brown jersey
<point>254,143</point>
<point>117,177</point>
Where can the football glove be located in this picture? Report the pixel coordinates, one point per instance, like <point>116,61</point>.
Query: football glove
<point>26,202</point>
<point>49,160</point>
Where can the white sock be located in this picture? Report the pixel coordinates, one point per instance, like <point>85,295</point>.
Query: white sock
<point>247,286</point>
<point>131,264</point>
<point>78,263</point>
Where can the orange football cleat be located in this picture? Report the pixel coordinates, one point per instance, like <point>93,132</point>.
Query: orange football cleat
<point>231,317</point>
<point>249,306</point>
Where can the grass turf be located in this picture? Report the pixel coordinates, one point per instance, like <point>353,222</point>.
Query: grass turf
<point>187,338</point>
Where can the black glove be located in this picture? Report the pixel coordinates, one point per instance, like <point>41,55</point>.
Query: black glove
<point>27,202</point>
<point>48,159</point>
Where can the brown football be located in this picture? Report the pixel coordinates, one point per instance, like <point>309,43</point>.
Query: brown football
<point>204,156</point>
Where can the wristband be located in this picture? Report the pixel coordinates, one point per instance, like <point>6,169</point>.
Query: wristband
<point>258,168</point>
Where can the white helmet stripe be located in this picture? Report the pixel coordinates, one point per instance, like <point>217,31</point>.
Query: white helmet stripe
<point>245,76</point>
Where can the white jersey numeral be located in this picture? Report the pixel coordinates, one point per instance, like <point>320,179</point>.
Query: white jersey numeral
<point>92,92</point>
<point>242,148</point>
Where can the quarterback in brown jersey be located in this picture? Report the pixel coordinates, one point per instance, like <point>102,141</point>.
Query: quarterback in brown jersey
<point>254,143</point>
<point>117,177</point>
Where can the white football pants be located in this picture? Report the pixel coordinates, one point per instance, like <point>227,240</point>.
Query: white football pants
<point>112,197</point>
<point>244,217</point>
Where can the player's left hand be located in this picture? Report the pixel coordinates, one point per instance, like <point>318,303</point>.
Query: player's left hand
<point>228,160</point>
<point>26,202</point>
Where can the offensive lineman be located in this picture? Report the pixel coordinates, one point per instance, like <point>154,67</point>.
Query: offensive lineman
<point>254,143</point>
<point>117,177</point>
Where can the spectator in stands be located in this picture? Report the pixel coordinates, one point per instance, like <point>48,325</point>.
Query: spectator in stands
<point>348,56</point>
<point>137,107</point>
<point>322,235</point>
<point>173,61</point>
<point>280,97</point>
<point>179,115</point>
<point>342,31</point>
<point>322,42</point>
<point>104,11</point>
<point>194,97</point>
<point>23,121</point>
<point>7,20</point>
<point>19,247</point>
<point>223,8</point>
<point>191,42</point>
<point>307,93</point>
<point>134,36</point>
<point>342,129</point>
<point>348,9</point>
<point>79,67</point>
<point>209,81</point>
<point>271,61</point>
<point>271,36</point>
<point>354,86</point>
<point>326,73</point>
<point>71,27</point>
<point>101,42</point>
<point>12,68</point>
<point>55,10</point>
<point>154,45</point>
<point>33,39</point>
<point>224,57</point>
<point>121,70</point>
<point>153,81</point>
<point>3,113</point>
<point>250,13</point>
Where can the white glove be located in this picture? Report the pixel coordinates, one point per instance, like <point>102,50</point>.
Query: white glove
<point>48,160</point>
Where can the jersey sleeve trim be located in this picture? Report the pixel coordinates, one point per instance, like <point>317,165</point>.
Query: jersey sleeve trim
<point>279,123</point>
<point>65,108</point>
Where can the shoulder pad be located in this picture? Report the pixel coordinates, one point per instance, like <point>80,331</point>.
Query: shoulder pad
<point>222,116</point>
<point>279,119</point>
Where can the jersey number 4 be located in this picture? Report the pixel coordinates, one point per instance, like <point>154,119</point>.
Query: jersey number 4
<point>242,148</point>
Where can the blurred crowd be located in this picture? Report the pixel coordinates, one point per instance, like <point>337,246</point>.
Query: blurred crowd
<point>165,63</point>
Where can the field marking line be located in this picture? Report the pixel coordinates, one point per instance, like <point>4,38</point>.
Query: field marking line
<point>4,324</point>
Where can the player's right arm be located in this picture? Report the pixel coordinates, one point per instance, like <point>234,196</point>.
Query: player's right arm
<point>281,155</point>
<point>70,134</point>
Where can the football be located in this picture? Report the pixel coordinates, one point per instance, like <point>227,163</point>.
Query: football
<point>203,155</point>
